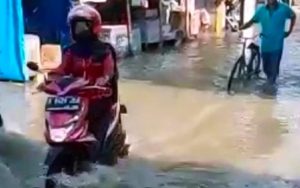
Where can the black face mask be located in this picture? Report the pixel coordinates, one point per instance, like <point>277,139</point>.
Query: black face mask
<point>81,31</point>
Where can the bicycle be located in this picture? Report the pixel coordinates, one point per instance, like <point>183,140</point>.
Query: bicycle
<point>242,70</point>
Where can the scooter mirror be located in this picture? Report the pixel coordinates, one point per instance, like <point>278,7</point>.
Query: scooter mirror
<point>33,66</point>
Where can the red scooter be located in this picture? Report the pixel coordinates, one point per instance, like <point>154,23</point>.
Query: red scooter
<point>72,147</point>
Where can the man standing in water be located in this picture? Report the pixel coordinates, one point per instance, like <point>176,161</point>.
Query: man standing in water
<point>272,18</point>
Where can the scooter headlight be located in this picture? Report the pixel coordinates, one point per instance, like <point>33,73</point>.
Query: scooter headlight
<point>60,134</point>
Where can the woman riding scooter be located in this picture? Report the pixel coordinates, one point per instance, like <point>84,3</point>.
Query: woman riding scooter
<point>92,60</point>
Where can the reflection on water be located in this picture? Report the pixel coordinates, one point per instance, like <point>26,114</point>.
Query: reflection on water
<point>186,130</point>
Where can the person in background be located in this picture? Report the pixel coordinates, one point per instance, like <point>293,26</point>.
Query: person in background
<point>272,18</point>
<point>205,20</point>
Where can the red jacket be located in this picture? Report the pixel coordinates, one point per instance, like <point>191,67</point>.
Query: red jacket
<point>91,62</point>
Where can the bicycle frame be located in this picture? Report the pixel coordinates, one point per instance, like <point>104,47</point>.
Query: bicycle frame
<point>252,47</point>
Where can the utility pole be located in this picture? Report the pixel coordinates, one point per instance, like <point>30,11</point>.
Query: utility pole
<point>161,37</point>
<point>187,18</point>
<point>129,27</point>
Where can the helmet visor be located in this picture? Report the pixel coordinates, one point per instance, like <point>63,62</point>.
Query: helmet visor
<point>81,26</point>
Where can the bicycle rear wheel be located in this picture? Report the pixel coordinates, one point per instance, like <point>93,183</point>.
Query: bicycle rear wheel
<point>254,64</point>
<point>237,75</point>
<point>257,64</point>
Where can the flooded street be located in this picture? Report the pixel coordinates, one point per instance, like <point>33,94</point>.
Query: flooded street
<point>184,130</point>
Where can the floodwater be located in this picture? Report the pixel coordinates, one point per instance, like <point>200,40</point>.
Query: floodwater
<point>184,130</point>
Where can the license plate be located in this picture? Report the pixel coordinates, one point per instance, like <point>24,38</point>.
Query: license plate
<point>64,103</point>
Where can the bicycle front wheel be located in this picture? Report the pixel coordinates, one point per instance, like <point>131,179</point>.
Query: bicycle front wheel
<point>237,74</point>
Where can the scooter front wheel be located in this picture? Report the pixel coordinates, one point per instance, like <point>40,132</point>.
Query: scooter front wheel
<point>63,160</point>
<point>56,166</point>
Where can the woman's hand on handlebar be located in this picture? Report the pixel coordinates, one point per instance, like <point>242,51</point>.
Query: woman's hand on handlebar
<point>39,88</point>
<point>48,79</point>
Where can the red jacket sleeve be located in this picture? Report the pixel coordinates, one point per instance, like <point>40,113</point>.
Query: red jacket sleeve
<point>108,66</point>
<point>64,67</point>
